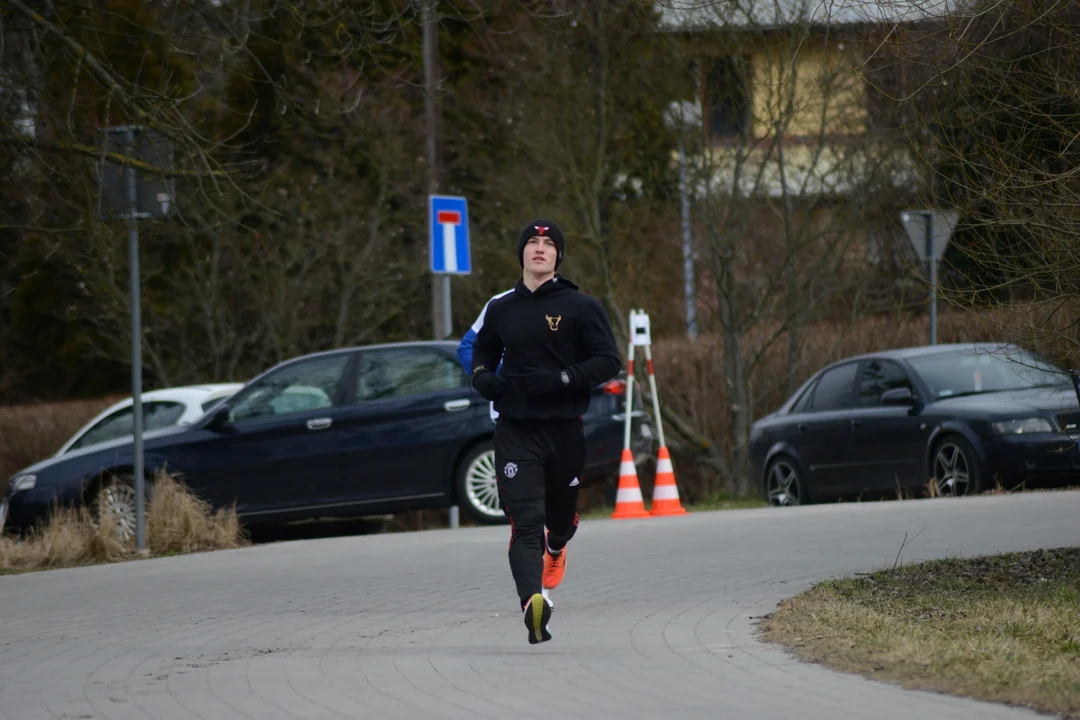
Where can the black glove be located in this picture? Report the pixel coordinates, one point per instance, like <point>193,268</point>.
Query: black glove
<point>539,381</point>
<point>490,386</point>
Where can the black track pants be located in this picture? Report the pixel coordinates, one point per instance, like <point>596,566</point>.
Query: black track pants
<point>539,465</point>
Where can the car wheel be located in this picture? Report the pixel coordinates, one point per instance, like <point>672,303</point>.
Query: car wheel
<point>115,499</point>
<point>477,485</point>
<point>954,468</point>
<point>784,485</point>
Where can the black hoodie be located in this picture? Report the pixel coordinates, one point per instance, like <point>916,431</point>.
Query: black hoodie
<point>555,328</point>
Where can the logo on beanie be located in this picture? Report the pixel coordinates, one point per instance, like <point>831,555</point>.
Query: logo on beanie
<point>540,230</point>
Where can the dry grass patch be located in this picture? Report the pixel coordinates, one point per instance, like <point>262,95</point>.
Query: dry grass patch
<point>71,539</point>
<point>1004,628</point>
<point>177,521</point>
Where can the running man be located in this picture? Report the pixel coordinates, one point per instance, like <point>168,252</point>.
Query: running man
<point>555,344</point>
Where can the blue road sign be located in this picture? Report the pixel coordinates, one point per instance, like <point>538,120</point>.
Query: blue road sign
<point>449,223</point>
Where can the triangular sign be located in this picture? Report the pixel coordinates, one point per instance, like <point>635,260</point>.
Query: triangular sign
<point>944,222</point>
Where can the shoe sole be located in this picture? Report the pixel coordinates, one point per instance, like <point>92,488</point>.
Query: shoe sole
<point>536,619</point>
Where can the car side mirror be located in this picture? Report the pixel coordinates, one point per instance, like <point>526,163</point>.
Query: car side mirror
<point>898,396</point>
<point>219,418</point>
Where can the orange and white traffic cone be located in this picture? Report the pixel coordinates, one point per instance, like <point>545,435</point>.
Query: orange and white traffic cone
<point>629,502</point>
<point>665,499</point>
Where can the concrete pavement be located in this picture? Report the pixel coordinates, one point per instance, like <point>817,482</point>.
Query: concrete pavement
<point>655,619</point>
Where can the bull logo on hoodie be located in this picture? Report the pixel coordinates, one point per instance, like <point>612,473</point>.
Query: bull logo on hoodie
<point>553,322</point>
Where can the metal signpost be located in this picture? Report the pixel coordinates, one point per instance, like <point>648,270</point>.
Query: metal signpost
<point>125,193</point>
<point>930,231</point>
<point>448,221</point>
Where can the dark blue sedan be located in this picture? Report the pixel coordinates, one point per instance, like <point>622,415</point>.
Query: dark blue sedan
<point>951,419</point>
<point>345,433</point>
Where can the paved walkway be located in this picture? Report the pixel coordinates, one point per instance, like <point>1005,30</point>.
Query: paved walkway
<point>655,620</point>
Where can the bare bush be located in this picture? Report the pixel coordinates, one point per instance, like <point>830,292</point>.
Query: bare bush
<point>30,433</point>
<point>72,538</point>
<point>178,521</point>
<point>987,94</point>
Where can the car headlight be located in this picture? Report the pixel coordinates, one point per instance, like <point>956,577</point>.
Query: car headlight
<point>1025,426</point>
<point>23,482</point>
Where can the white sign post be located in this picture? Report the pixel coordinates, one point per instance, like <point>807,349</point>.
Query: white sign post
<point>639,328</point>
<point>929,231</point>
<point>640,336</point>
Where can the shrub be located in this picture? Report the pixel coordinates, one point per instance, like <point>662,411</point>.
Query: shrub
<point>176,522</point>
<point>30,433</point>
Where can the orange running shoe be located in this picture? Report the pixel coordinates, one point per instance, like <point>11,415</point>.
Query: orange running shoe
<point>554,569</point>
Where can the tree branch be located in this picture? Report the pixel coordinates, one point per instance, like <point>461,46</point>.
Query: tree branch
<point>99,70</point>
<point>711,454</point>
<point>95,152</point>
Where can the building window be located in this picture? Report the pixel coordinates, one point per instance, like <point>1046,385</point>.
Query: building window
<point>727,97</point>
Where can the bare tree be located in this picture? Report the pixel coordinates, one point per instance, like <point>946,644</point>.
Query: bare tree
<point>788,177</point>
<point>992,94</point>
<point>591,149</point>
<point>258,97</point>
<point>299,217</point>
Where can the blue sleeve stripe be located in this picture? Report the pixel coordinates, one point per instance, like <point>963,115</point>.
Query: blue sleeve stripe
<point>464,350</point>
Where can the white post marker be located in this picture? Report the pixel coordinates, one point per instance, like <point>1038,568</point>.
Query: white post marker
<point>652,388</point>
<point>639,335</point>
<point>665,500</point>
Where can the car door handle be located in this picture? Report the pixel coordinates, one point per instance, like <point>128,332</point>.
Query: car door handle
<point>318,423</point>
<point>455,405</point>
<point>856,423</point>
<point>803,427</point>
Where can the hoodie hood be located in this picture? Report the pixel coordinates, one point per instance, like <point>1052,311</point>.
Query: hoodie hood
<point>554,285</point>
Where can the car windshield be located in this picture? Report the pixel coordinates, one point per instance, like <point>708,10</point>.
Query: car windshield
<point>978,370</point>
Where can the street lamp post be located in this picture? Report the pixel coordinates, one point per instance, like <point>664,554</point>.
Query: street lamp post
<point>680,116</point>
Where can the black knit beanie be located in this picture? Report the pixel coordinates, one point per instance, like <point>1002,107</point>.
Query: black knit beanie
<point>541,228</point>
